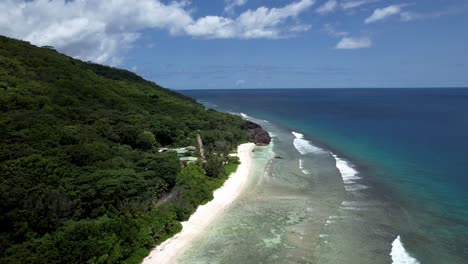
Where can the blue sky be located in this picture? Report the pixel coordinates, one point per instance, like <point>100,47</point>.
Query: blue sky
<point>255,43</point>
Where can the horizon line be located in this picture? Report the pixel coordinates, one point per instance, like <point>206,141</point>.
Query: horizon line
<point>311,88</point>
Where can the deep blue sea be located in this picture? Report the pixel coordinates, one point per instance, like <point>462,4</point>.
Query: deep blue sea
<point>410,145</point>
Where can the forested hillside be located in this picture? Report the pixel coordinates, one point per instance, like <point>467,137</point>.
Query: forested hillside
<point>81,178</point>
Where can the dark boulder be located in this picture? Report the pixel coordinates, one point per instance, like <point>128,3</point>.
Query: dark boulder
<point>257,134</point>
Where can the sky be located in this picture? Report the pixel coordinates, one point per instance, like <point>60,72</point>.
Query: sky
<point>224,44</point>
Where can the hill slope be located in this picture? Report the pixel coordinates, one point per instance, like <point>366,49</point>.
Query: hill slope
<point>81,180</point>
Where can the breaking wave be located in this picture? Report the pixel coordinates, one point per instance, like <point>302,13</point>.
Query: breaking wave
<point>400,255</point>
<point>245,116</point>
<point>349,175</point>
<point>304,146</point>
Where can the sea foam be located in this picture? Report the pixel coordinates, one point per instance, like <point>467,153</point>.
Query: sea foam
<point>304,146</point>
<point>301,166</point>
<point>349,175</point>
<point>400,255</point>
<point>245,116</point>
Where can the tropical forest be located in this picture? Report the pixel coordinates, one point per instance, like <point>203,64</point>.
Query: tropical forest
<point>87,171</point>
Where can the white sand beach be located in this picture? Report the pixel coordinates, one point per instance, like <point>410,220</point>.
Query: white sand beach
<point>168,251</point>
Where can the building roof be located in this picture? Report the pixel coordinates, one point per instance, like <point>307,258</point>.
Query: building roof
<point>188,159</point>
<point>181,150</point>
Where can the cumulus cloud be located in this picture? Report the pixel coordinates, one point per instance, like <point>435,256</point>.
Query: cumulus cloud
<point>383,13</point>
<point>262,22</point>
<point>90,30</point>
<point>327,7</point>
<point>99,31</point>
<point>354,43</point>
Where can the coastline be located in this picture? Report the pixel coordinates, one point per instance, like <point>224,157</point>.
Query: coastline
<point>404,195</point>
<point>169,250</point>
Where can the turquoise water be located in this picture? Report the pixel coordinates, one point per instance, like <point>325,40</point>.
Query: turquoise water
<point>407,150</point>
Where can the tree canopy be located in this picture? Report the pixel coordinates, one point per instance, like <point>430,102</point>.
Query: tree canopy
<point>81,180</point>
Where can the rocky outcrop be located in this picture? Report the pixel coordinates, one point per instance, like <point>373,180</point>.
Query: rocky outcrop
<point>257,134</point>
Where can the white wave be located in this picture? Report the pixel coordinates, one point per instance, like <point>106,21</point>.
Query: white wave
<point>355,187</point>
<point>302,167</point>
<point>323,235</point>
<point>349,175</point>
<point>304,146</point>
<point>400,255</point>
<point>245,116</point>
<point>351,203</point>
<point>297,135</point>
<point>352,208</point>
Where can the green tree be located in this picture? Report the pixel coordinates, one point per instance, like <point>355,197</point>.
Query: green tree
<point>145,140</point>
<point>214,165</point>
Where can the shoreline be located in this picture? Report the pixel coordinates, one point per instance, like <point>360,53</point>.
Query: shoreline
<point>169,250</point>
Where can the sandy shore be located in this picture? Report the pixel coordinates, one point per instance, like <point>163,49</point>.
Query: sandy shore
<point>205,214</point>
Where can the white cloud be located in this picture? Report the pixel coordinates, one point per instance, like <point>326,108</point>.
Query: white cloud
<point>300,28</point>
<point>327,7</point>
<point>230,5</point>
<point>90,30</point>
<point>383,13</point>
<point>100,31</point>
<point>331,31</point>
<point>240,83</point>
<point>212,27</point>
<point>354,43</point>
<point>350,4</point>
<point>346,5</point>
<point>262,22</point>
<point>410,16</point>
<point>266,22</point>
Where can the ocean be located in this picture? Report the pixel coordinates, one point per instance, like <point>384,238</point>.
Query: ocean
<point>351,176</point>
